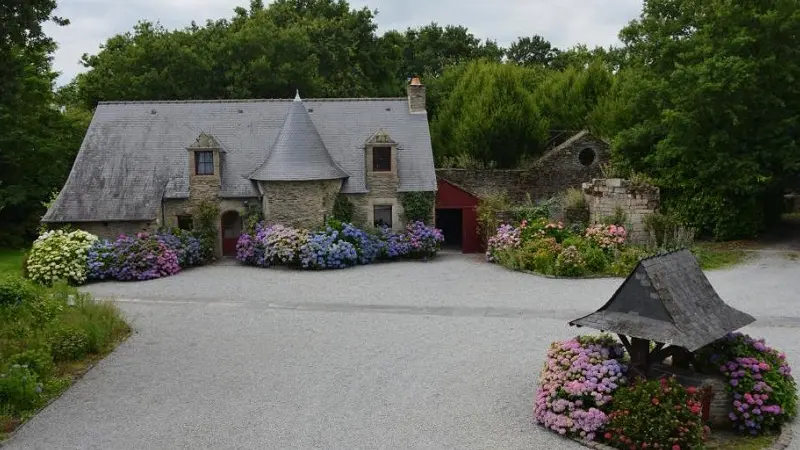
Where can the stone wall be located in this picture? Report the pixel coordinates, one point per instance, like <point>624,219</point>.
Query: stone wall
<point>606,195</point>
<point>112,230</point>
<point>302,204</point>
<point>172,208</point>
<point>553,173</point>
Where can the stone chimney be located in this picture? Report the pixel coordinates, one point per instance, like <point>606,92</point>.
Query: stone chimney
<point>416,97</point>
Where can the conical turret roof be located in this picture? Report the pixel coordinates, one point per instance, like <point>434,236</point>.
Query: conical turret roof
<point>299,154</point>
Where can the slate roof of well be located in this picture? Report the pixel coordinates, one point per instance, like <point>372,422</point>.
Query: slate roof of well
<point>668,299</point>
<point>299,154</point>
<point>134,153</point>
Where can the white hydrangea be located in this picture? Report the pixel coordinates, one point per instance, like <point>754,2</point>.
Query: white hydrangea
<point>60,255</point>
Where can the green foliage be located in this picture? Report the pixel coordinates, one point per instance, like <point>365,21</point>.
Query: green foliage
<point>19,390</point>
<point>14,291</point>
<point>532,52</point>
<point>619,218</point>
<point>655,412</point>
<point>488,210</point>
<point>253,216</point>
<point>69,343</point>
<point>205,216</point>
<point>418,206</point>
<point>343,209</point>
<point>708,120</point>
<point>626,260</point>
<point>39,361</point>
<point>595,259</point>
<point>491,115</point>
<point>667,233</point>
<point>576,208</point>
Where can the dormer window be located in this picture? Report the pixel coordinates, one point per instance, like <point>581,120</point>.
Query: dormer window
<point>204,163</point>
<point>381,159</point>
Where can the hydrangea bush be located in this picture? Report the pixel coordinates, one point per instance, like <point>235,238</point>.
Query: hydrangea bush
<point>139,257</point>
<point>579,378</point>
<point>607,237</point>
<point>655,414</point>
<point>60,255</point>
<point>760,379</point>
<point>506,237</point>
<point>338,246</point>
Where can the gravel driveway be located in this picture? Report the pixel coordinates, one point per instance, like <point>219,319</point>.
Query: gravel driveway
<point>443,354</point>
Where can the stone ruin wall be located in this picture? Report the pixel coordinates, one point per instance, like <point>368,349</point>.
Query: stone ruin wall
<point>604,196</point>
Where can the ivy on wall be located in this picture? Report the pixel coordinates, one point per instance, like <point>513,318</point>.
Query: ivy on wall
<point>206,215</point>
<point>418,206</point>
<point>343,209</point>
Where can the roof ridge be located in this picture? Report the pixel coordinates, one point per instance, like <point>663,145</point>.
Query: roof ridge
<point>249,100</point>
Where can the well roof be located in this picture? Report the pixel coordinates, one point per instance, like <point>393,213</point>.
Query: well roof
<point>668,299</point>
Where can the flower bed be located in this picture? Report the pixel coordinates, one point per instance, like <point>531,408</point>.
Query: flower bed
<point>552,249</point>
<point>584,393</point>
<point>78,256</point>
<point>338,246</point>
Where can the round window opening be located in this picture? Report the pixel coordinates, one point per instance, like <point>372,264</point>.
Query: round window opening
<point>586,157</point>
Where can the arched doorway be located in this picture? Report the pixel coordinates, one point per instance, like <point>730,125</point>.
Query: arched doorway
<point>231,230</point>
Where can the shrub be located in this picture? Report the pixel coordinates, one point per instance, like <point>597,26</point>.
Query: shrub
<point>625,260</point>
<point>68,343</point>
<point>139,257</point>
<point>186,245</point>
<point>271,245</point>
<point>577,381</point>
<point>764,390</point>
<point>652,414</point>
<point>595,258</point>
<point>102,322</point>
<point>570,263</point>
<point>15,291</point>
<point>488,211</point>
<point>206,216</point>
<point>666,233</point>
<point>576,208</point>
<point>38,361</point>
<point>607,237</point>
<point>418,206</point>
<point>506,237</point>
<point>59,255</point>
<point>424,241</point>
<point>343,209</point>
<point>20,390</point>
<point>327,250</point>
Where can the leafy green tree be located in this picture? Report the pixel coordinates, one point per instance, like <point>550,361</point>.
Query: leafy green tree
<point>532,51</point>
<point>490,115</point>
<point>432,48</point>
<point>710,108</point>
<point>569,98</point>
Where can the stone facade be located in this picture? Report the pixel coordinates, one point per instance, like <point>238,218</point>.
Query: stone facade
<point>417,97</point>
<point>606,195</point>
<point>112,230</point>
<point>567,166</point>
<point>302,204</point>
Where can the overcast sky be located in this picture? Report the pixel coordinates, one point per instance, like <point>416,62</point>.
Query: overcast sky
<point>563,22</point>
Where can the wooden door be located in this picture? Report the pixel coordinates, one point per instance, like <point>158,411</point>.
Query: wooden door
<point>231,230</point>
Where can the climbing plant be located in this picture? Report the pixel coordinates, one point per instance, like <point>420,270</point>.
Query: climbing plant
<point>343,209</point>
<point>418,206</point>
<point>205,216</point>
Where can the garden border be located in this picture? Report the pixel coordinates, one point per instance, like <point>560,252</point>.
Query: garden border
<point>10,436</point>
<point>781,443</point>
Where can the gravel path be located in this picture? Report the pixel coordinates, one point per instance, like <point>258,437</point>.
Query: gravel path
<point>434,355</point>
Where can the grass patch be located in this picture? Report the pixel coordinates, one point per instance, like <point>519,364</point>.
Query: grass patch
<point>730,441</point>
<point>11,262</point>
<point>720,255</point>
<point>49,337</point>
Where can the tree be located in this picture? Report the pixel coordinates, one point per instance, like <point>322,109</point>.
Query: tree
<point>431,48</point>
<point>490,115</point>
<point>532,51</point>
<point>569,98</point>
<point>712,111</point>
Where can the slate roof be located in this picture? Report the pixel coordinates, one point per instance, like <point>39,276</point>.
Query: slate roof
<point>668,299</point>
<point>134,153</point>
<point>299,154</point>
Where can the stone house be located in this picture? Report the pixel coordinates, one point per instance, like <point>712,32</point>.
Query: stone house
<point>145,165</point>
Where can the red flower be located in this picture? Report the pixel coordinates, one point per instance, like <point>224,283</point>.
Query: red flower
<point>691,390</point>
<point>655,401</point>
<point>696,409</point>
<point>676,447</point>
<point>607,436</point>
